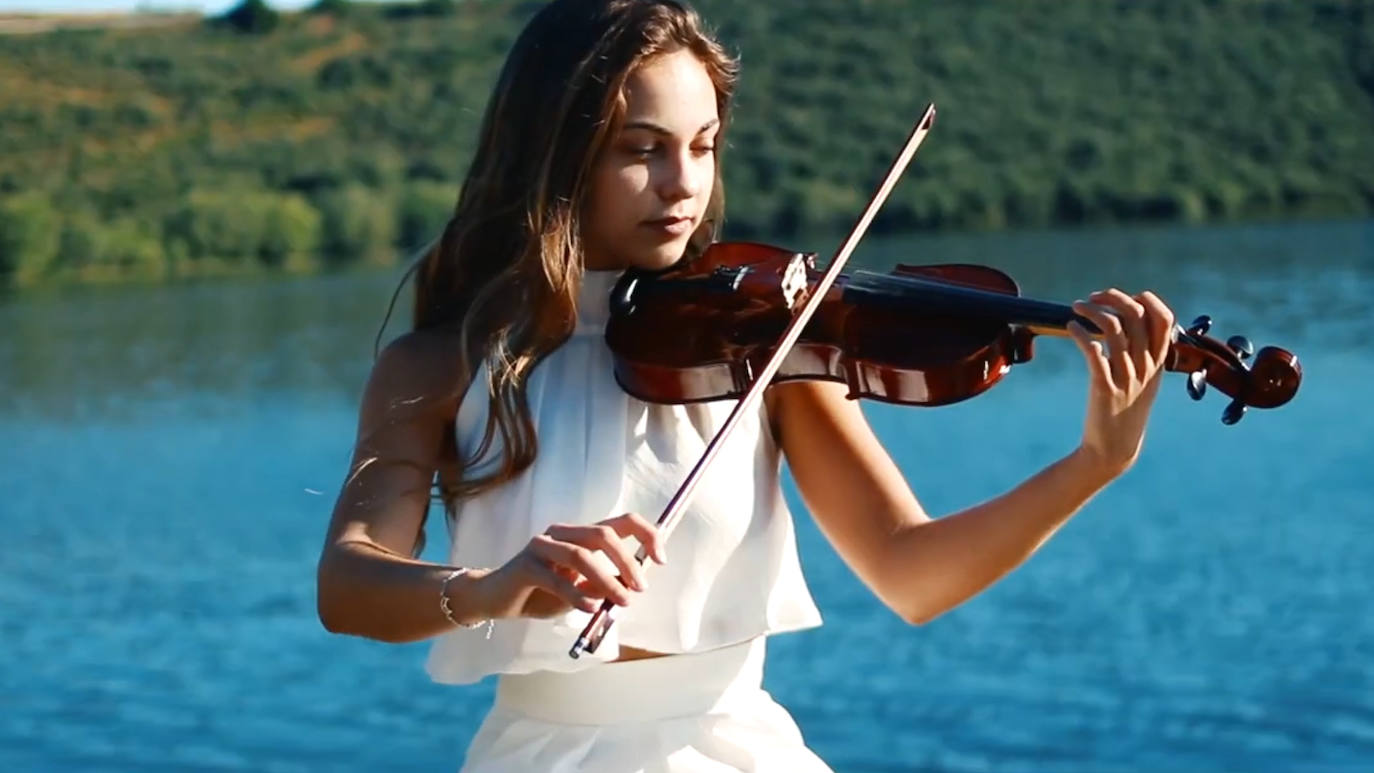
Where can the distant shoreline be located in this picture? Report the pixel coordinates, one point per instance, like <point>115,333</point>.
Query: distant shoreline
<point>39,22</point>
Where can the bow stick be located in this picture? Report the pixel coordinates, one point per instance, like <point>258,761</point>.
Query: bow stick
<point>601,621</point>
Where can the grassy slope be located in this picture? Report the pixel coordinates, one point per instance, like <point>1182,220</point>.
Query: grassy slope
<point>1051,112</point>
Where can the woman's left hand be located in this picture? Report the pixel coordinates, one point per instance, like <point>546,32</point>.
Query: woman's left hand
<point>1124,368</point>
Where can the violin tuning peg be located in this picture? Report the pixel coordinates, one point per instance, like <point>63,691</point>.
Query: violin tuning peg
<point>1200,325</point>
<point>1233,413</point>
<point>1241,346</point>
<point>1197,384</point>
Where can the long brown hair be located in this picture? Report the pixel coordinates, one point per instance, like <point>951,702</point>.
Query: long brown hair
<point>507,269</point>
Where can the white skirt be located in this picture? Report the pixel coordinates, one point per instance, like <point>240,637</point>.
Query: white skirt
<point>678,714</point>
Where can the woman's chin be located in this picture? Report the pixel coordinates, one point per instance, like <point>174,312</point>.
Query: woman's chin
<point>653,260</point>
<point>650,256</point>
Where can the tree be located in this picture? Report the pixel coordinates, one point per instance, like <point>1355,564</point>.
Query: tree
<point>424,210</point>
<point>335,7</point>
<point>439,7</point>
<point>29,228</point>
<point>253,17</point>
<point>422,8</point>
<point>359,225</point>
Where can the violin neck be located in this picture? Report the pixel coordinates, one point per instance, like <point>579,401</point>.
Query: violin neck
<point>898,291</point>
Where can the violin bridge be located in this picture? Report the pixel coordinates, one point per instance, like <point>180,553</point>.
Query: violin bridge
<point>793,284</point>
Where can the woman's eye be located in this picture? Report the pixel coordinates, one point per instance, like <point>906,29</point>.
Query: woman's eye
<point>645,151</point>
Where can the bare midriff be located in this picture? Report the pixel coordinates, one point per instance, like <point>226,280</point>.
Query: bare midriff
<point>632,653</point>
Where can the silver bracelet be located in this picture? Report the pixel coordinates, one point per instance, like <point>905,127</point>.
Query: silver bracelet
<point>448,611</point>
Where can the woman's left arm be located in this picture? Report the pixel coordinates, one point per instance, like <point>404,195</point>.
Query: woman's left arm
<point>922,567</point>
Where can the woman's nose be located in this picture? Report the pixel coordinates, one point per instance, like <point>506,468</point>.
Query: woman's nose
<point>681,177</point>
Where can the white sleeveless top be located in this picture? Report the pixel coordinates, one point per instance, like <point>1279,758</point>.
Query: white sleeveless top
<point>732,571</point>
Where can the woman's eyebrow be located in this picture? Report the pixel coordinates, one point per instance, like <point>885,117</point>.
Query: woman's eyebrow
<point>656,129</point>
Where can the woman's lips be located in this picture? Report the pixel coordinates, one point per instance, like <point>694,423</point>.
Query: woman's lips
<point>675,226</point>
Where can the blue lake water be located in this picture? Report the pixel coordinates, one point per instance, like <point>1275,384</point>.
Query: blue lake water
<point>170,456</point>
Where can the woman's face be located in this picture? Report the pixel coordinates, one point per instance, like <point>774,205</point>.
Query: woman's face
<point>651,183</point>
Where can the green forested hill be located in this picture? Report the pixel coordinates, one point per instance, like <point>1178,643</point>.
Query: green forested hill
<point>339,137</point>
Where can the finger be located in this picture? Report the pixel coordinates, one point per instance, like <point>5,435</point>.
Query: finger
<point>575,562</point>
<point>544,576</point>
<point>637,526</point>
<point>1098,369</point>
<point>1132,317</point>
<point>1160,320</point>
<point>1117,348</point>
<point>604,538</point>
<point>584,562</point>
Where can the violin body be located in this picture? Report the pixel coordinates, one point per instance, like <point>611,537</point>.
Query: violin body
<point>727,311</point>
<point>918,335</point>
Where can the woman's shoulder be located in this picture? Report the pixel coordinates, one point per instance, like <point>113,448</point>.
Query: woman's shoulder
<point>420,371</point>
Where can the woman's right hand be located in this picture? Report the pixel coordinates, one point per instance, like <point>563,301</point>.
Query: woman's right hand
<point>559,570</point>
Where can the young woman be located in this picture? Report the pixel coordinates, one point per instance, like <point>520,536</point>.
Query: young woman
<point>598,152</point>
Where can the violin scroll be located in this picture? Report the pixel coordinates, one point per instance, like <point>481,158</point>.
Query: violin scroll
<point>1268,382</point>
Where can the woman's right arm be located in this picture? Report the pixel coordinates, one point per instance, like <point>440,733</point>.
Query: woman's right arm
<point>367,582</point>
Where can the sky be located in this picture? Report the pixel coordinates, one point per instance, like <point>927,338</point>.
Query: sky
<point>109,6</point>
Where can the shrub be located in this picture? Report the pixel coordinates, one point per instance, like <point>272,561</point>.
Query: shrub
<point>358,225</point>
<point>423,212</point>
<point>29,238</point>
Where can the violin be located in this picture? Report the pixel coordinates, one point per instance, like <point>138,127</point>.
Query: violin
<point>745,316</point>
<point>917,335</point>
